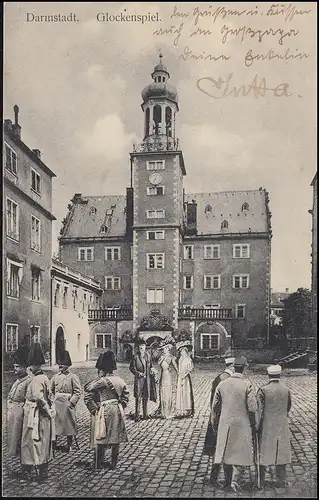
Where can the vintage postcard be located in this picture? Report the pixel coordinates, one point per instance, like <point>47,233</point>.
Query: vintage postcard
<point>159,250</point>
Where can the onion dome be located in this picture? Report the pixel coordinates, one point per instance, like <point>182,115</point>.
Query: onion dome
<point>160,88</point>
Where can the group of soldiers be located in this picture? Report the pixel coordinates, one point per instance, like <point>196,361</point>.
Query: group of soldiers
<point>247,429</point>
<point>244,429</point>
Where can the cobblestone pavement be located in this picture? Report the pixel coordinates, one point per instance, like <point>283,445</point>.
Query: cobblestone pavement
<point>164,458</point>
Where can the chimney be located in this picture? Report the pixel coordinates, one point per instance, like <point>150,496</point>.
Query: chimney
<point>16,129</point>
<point>8,123</point>
<point>286,290</point>
<point>77,198</point>
<point>37,153</point>
<point>129,211</point>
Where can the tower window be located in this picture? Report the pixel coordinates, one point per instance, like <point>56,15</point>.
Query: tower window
<point>168,121</point>
<point>224,224</point>
<point>159,79</point>
<point>208,209</point>
<point>157,117</point>
<point>147,122</point>
<point>244,207</point>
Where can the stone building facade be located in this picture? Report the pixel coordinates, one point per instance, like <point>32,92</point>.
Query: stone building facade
<point>170,261</point>
<point>27,223</point>
<point>72,295</point>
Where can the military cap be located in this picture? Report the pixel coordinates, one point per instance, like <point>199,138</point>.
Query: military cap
<point>229,361</point>
<point>36,356</point>
<point>65,359</point>
<point>240,361</point>
<point>274,370</point>
<point>140,342</point>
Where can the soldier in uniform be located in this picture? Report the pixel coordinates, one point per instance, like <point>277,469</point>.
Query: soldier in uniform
<point>274,401</point>
<point>233,420</point>
<point>210,439</point>
<point>15,403</point>
<point>36,443</point>
<point>141,367</point>
<point>66,389</point>
<point>110,429</point>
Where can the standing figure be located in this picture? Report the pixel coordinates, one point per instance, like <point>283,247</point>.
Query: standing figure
<point>211,437</point>
<point>96,399</point>
<point>15,403</point>
<point>36,444</point>
<point>66,389</point>
<point>166,360</point>
<point>184,394</point>
<point>233,420</point>
<point>141,366</point>
<point>274,401</point>
<point>113,395</point>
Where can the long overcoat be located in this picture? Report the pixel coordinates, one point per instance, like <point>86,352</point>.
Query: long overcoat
<point>274,401</point>
<point>36,444</point>
<point>211,437</point>
<point>15,404</point>
<point>234,407</point>
<point>143,387</point>
<point>67,390</point>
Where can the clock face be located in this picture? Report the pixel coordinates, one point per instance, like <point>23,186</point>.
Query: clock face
<point>155,178</point>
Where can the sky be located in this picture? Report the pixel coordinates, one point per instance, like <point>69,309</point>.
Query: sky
<point>78,87</point>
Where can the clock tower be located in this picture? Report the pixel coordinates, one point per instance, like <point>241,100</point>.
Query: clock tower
<point>157,179</point>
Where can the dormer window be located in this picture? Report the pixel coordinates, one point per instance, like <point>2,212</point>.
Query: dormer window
<point>244,207</point>
<point>103,229</point>
<point>93,211</point>
<point>208,209</point>
<point>109,212</point>
<point>224,224</point>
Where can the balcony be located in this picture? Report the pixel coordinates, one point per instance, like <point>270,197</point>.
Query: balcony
<point>110,314</point>
<point>200,313</point>
<point>156,144</point>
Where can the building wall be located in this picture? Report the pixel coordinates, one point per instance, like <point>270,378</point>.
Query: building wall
<point>24,311</point>
<point>99,268</point>
<point>314,251</point>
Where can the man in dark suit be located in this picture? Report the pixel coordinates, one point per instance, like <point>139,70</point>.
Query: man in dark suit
<point>211,437</point>
<point>142,368</point>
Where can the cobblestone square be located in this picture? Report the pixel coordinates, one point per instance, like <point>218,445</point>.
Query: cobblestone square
<point>165,458</point>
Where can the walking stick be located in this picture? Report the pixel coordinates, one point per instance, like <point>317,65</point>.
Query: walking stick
<point>76,442</point>
<point>257,460</point>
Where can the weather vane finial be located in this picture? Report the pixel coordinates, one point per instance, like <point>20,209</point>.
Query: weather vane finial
<point>160,55</point>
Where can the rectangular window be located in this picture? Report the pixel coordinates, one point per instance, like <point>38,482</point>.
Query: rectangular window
<point>188,251</point>
<point>212,252</point>
<point>84,302</point>
<point>65,297</point>
<point>155,295</point>
<point>209,341</point>
<point>212,282</point>
<point>155,214</point>
<point>14,277</point>
<point>112,253</point>
<point>12,219</point>
<point>86,254</point>
<point>35,181</point>
<point>188,282</point>
<point>241,281</point>
<point>75,297</point>
<point>56,299</point>
<point>35,234</point>
<point>241,251</point>
<point>155,165</point>
<point>36,283</point>
<point>11,337</point>
<point>78,342</point>
<point>155,261</point>
<point>11,159</point>
<point>112,283</point>
<point>35,334</point>
<point>155,191</point>
<point>155,235</point>
<point>103,340</point>
<point>240,311</point>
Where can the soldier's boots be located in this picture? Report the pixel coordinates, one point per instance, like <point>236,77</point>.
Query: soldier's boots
<point>42,473</point>
<point>26,471</point>
<point>69,443</point>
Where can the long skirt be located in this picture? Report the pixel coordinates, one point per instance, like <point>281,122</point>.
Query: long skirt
<point>14,428</point>
<point>184,396</point>
<point>36,444</point>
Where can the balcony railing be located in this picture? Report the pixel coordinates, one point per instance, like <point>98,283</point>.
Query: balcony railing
<point>156,144</point>
<point>199,313</point>
<point>110,314</point>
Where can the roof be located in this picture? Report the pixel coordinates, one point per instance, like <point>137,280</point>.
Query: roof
<point>277,298</point>
<point>214,208</point>
<point>314,180</point>
<point>85,222</point>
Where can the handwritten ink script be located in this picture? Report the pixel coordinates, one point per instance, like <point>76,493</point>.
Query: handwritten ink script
<point>221,88</point>
<point>250,37</point>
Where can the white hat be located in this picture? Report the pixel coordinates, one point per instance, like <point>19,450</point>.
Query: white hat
<point>229,361</point>
<point>274,370</point>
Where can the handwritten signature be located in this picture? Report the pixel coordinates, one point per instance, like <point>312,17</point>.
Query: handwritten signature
<point>221,88</point>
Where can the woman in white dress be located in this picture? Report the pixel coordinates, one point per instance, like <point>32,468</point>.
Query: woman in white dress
<point>166,360</point>
<point>184,394</point>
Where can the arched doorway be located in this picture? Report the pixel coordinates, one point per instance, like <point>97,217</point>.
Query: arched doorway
<point>211,339</point>
<point>59,343</point>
